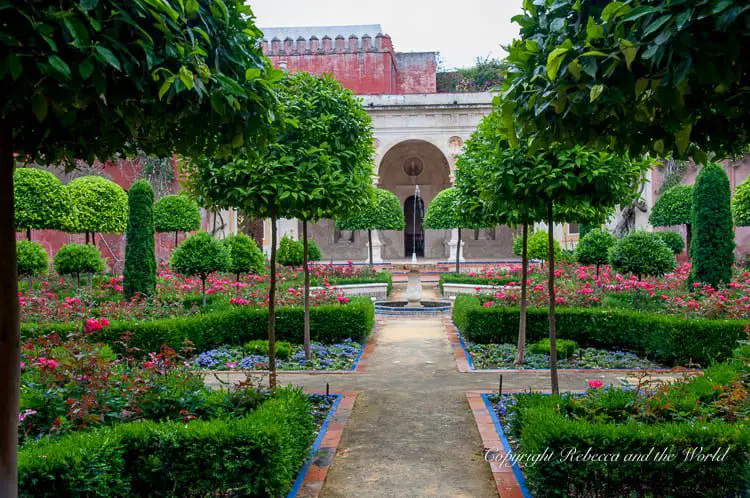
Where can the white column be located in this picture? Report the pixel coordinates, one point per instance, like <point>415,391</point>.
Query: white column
<point>453,245</point>
<point>377,246</point>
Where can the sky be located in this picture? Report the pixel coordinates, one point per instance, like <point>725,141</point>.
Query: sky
<point>460,30</point>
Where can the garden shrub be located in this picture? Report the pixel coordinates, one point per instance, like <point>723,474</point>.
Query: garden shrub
<point>565,347</point>
<point>291,252</point>
<point>593,248</point>
<point>668,339</point>
<point>642,253</point>
<point>176,213</point>
<point>140,254</point>
<point>329,324</point>
<point>101,205</point>
<point>713,238</point>
<point>674,207</point>
<point>245,256</point>
<point>673,240</point>
<point>256,455</point>
<point>74,259</point>
<point>452,278</point>
<point>381,277</point>
<point>537,246</point>
<point>557,424</point>
<point>260,347</point>
<point>32,259</point>
<point>741,204</point>
<point>40,201</point>
<point>201,255</point>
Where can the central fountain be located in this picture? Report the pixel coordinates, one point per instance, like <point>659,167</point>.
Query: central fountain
<point>414,304</point>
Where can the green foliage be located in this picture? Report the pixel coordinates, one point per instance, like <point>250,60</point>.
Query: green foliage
<point>673,207</point>
<point>593,248</point>
<point>101,205</point>
<point>454,278</point>
<point>537,246</point>
<point>382,212</point>
<point>292,252</point>
<point>176,213</point>
<point>31,259</point>
<point>74,86</point>
<point>643,254</point>
<point>637,76</point>
<point>741,204</point>
<point>41,201</point>
<point>266,448</point>
<point>74,259</point>
<point>673,240</point>
<point>319,163</point>
<point>245,256</point>
<point>713,236</point>
<point>565,347</point>
<point>200,254</point>
<point>444,212</point>
<point>140,256</point>
<point>484,76</point>
<point>260,347</point>
<point>672,340</point>
<point>329,324</point>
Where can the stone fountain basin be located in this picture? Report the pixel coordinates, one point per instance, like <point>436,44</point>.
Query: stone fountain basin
<point>427,307</point>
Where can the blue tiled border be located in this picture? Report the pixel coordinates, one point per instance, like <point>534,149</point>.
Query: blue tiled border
<point>466,351</point>
<point>316,445</point>
<point>506,446</point>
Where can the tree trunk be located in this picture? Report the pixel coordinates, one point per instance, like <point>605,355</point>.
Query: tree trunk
<point>87,236</point>
<point>369,239</point>
<point>597,274</point>
<point>90,280</point>
<point>306,339</point>
<point>30,284</point>
<point>10,358</point>
<point>688,238</point>
<point>272,308</point>
<point>458,254</point>
<point>78,280</point>
<point>552,336</point>
<point>93,239</point>
<point>203,288</point>
<point>28,234</point>
<point>176,239</point>
<point>524,277</point>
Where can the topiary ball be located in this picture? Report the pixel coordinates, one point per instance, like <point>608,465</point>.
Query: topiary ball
<point>32,259</point>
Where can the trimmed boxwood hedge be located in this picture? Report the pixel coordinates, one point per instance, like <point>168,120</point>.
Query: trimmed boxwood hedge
<point>452,278</point>
<point>382,277</point>
<point>257,455</point>
<point>329,323</point>
<point>544,428</point>
<point>667,339</point>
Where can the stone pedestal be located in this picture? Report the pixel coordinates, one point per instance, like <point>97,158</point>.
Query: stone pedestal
<point>377,246</point>
<point>414,289</point>
<point>453,246</point>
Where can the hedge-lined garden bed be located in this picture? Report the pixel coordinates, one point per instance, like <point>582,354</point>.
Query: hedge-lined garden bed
<point>255,455</point>
<point>453,278</point>
<point>699,427</point>
<point>329,323</point>
<point>668,339</point>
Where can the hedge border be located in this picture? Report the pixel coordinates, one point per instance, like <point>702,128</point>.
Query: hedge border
<point>452,278</point>
<point>329,323</point>
<point>261,453</point>
<point>668,339</point>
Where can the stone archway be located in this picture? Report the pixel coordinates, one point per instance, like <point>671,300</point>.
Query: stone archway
<point>405,166</point>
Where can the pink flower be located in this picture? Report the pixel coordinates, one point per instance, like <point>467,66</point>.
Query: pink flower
<point>231,364</point>
<point>595,384</point>
<point>149,364</point>
<point>92,325</point>
<point>51,364</point>
<point>104,322</point>
<point>27,413</point>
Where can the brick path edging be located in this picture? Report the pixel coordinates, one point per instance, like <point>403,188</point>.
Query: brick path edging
<point>313,474</point>
<point>509,480</point>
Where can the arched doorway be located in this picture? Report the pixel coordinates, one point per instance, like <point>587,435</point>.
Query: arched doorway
<point>414,231</point>
<point>404,167</point>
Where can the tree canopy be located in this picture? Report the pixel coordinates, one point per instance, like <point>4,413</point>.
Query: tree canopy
<point>176,213</point>
<point>41,201</point>
<point>382,212</point>
<point>91,79</point>
<point>444,212</point>
<point>673,207</point>
<point>655,75</point>
<point>101,205</point>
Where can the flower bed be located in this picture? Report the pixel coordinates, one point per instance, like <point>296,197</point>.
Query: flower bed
<point>685,439</point>
<point>671,340</point>
<point>497,356</point>
<point>340,356</point>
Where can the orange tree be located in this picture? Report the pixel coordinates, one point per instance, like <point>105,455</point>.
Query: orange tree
<point>89,79</point>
